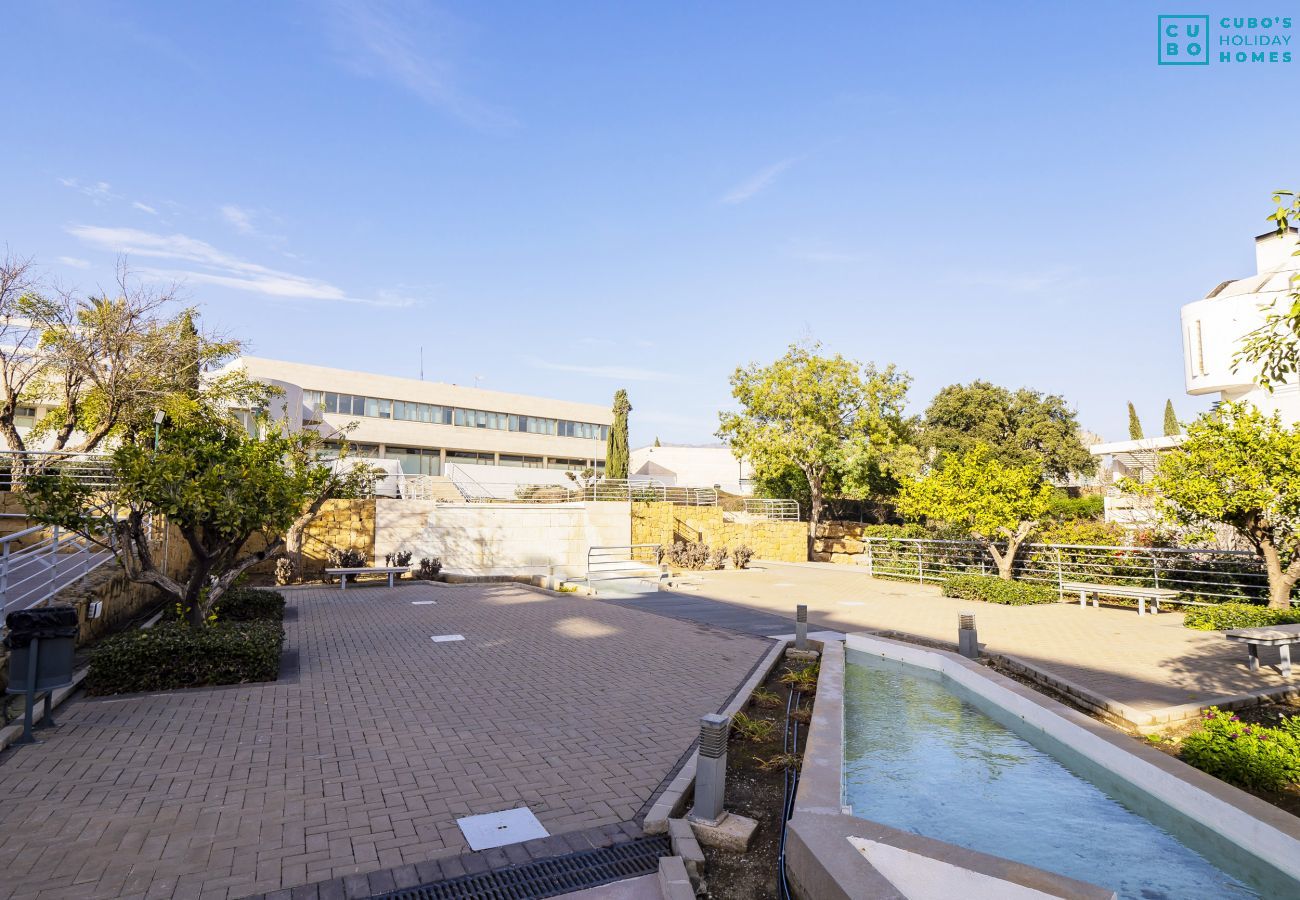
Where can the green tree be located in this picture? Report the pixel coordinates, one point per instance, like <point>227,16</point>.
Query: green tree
<point>991,500</point>
<point>217,485</point>
<point>1134,423</point>
<point>822,415</point>
<point>1171,420</point>
<point>1274,347</point>
<point>1022,427</point>
<point>616,450</point>
<point>1240,468</point>
<point>657,444</point>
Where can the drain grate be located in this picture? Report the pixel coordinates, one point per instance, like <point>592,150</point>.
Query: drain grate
<point>549,877</point>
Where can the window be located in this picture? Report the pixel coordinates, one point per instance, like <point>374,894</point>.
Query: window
<point>24,416</point>
<point>416,460</point>
<point>585,430</point>
<point>523,462</point>
<point>470,457</point>
<point>570,465</point>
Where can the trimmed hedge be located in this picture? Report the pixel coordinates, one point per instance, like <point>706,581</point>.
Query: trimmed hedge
<point>174,655</point>
<point>250,605</point>
<point>992,589</point>
<point>1226,616</point>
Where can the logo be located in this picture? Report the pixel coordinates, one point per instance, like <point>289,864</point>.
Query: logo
<point>1184,41</point>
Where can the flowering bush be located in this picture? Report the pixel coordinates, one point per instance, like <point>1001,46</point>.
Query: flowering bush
<point>1251,756</point>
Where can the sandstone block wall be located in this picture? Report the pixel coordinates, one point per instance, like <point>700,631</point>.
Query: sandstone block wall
<point>665,523</point>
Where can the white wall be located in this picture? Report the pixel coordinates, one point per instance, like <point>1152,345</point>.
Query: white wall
<point>695,467</point>
<point>501,538</point>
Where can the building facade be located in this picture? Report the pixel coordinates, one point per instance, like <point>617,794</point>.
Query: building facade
<point>693,467</point>
<point>427,425</point>
<point>1214,327</point>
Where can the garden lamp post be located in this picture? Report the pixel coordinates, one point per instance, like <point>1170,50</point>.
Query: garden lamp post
<point>158,417</point>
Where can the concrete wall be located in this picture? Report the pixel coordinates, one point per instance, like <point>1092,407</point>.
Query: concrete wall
<point>500,538</point>
<point>665,523</point>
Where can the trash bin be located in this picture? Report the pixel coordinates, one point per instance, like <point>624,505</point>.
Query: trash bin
<point>52,632</point>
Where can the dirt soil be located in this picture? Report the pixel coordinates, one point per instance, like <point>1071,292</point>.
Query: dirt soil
<point>760,795</point>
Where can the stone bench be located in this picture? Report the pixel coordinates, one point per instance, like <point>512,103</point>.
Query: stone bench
<point>1279,636</point>
<point>390,571</point>
<point>1142,595</point>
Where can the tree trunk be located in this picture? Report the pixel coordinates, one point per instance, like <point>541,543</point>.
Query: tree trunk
<point>814,509</point>
<point>1280,581</point>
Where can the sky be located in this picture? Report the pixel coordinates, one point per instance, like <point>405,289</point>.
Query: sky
<point>564,199</point>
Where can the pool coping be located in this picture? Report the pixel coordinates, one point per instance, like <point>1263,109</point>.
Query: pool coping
<point>1269,833</point>
<point>820,860</point>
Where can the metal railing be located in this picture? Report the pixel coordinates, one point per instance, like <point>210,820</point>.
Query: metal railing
<point>609,489</point>
<point>31,573</point>
<point>786,510</point>
<point>92,469</point>
<point>1216,575</point>
<point>630,567</point>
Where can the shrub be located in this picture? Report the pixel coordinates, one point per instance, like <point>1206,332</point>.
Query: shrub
<point>1226,616</point>
<point>429,568</point>
<point>349,558</point>
<point>803,680</point>
<point>741,556</point>
<point>748,728</point>
<point>991,589</point>
<point>1063,507</point>
<point>1252,756</point>
<point>910,530</point>
<point>718,559</point>
<point>174,655</point>
<point>285,571</point>
<point>250,605</point>
<point>1083,531</point>
<point>691,555</point>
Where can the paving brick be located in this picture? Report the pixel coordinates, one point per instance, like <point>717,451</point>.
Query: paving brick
<point>365,758</point>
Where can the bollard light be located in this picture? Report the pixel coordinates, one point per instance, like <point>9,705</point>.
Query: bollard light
<point>968,644</point>
<point>801,627</point>
<point>711,768</point>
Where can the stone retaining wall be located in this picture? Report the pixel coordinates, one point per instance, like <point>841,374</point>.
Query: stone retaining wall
<point>666,523</point>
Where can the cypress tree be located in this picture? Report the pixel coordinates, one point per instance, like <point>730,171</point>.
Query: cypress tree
<point>616,450</point>
<point>1171,420</point>
<point>657,444</point>
<point>1134,426</point>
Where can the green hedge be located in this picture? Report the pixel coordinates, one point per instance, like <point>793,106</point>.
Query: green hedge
<point>992,589</point>
<point>1226,616</point>
<point>174,655</point>
<point>250,605</point>
<point>1252,756</point>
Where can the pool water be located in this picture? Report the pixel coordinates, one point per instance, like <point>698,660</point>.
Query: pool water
<point>919,758</point>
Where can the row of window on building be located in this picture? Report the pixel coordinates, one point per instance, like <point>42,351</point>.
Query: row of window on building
<point>378,408</point>
<point>428,460</point>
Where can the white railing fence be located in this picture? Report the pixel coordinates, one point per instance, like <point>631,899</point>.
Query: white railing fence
<point>785,510</point>
<point>1215,575</point>
<point>39,562</point>
<point>624,568</point>
<point>92,469</point>
<point>610,489</point>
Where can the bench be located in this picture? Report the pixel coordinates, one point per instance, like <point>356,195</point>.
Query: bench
<point>390,571</point>
<point>1141,594</point>
<point>1280,636</point>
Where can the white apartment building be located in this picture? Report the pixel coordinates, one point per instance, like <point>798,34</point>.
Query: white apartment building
<point>693,467</point>
<point>1214,326</point>
<point>427,425</point>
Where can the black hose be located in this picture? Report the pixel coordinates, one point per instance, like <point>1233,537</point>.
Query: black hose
<point>789,744</point>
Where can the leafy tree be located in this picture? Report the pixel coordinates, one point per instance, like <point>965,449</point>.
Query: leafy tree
<point>1171,420</point>
<point>1134,424</point>
<point>826,416</point>
<point>1239,468</point>
<point>217,485</point>
<point>992,500</point>
<point>657,444</point>
<point>616,450</point>
<point>101,364</point>
<point>1275,346</point>
<point>1022,427</point>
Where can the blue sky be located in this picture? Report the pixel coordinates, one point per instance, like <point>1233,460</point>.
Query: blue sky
<point>568,198</point>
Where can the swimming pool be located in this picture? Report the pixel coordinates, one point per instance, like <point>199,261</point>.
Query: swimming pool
<point>922,757</point>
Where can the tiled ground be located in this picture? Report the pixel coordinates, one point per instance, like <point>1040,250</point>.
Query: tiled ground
<point>1146,662</point>
<point>366,756</point>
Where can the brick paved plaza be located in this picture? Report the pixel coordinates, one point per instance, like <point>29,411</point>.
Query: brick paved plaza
<point>1146,662</point>
<point>370,746</point>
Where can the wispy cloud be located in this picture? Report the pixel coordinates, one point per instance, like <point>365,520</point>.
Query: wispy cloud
<point>758,182</point>
<point>144,207</point>
<point>618,373</point>
<point>216,266</point>
<point>99,191</point>
<point>405,42</point>
<point>239,218</point>
<point>74,262</point>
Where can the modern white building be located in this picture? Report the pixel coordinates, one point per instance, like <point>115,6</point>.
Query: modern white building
<point>693,467</point>
<point>427,425</point>
<point>1214,327</point>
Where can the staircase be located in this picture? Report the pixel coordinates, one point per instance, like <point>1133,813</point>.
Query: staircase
<point>431,487</point>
